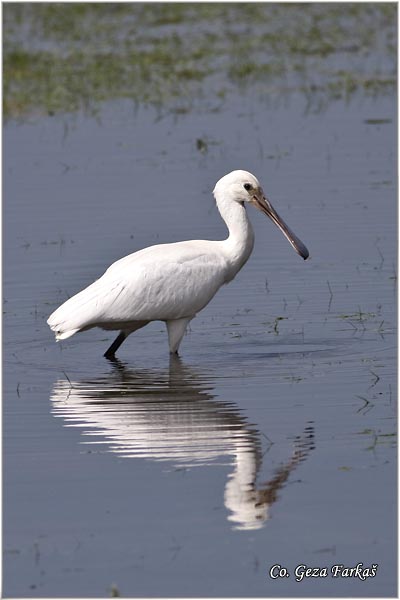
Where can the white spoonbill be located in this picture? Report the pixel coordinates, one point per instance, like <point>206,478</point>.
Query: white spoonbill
<point>171,282</point>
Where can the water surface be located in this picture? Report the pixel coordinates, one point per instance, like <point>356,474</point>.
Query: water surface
<point>272,439</point>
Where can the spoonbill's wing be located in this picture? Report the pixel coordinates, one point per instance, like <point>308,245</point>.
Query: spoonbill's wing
<point>162,282</point>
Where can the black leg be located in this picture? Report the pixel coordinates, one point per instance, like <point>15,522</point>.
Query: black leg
<point>110,353</point>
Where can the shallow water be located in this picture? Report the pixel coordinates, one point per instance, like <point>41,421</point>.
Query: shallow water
<point>272,440</point>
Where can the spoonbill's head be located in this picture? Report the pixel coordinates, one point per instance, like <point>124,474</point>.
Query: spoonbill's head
<point>243,187</point>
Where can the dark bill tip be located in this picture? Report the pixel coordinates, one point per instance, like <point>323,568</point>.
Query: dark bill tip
<point>265,206</point>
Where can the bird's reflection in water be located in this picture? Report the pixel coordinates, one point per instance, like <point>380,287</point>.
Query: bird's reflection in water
<point>173,416</point>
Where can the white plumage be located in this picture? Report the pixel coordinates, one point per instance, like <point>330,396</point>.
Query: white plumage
<point>171,282</point>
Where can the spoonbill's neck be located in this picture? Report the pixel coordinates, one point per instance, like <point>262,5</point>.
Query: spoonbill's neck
<point>239,244</point>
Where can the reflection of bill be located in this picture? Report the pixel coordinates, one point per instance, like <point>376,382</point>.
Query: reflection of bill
<point>253,503</point>
<point>174,417</point>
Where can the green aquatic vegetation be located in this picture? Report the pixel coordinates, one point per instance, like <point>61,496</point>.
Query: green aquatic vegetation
<point>202,145</point>
<point>379,438</point>
<point>243,72</point>
<point>276,322</point>
<point>60,57</point>
<point>359,316</point>
<point>363,320</point>
<point>114,591</point>
<point>293,379</point>
<point>377,121</point>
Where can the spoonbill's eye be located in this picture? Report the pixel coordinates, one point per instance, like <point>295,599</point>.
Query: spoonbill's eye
<point>247,186</point>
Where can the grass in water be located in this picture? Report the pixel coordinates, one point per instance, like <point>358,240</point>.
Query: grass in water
<point>66,57</point>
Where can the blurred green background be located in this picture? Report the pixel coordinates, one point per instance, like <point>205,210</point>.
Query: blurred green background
<point>182,57</point>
